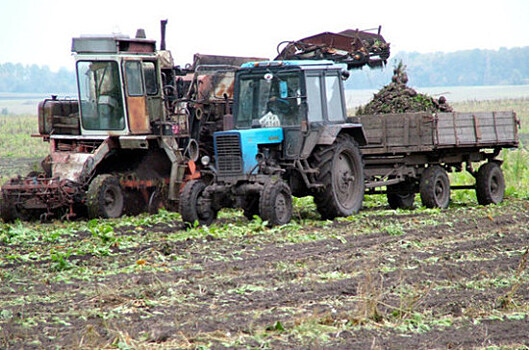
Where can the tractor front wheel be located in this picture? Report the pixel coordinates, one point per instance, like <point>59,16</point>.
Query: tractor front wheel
<point>275,203</point>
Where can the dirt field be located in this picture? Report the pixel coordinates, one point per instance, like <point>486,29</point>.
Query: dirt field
<point>382,279</point>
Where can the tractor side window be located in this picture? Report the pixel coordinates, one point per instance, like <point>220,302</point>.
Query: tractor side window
<point>151,81</point>
<point>134,79</point>
<point>334,98</point>
<point>314,99</point>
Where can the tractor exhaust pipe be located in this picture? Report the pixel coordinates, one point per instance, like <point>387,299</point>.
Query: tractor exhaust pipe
<point>163,24</point>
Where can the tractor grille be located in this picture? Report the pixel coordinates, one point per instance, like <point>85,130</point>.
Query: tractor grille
<point>229,156</point>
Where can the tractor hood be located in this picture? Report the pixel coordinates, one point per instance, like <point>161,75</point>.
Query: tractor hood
<point>236,150</point>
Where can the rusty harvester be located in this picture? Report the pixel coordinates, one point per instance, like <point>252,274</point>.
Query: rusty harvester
<point>129,141</point>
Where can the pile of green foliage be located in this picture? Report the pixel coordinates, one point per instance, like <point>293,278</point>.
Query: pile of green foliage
<point>397,97</point>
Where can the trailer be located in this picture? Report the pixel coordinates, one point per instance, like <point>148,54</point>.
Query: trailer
<point>413,153</point>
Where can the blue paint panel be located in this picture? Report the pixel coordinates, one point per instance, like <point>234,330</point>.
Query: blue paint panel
<point>250,139</point>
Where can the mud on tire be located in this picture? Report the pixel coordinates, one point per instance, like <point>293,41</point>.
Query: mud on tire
<point>275,203</point>
<point>490,184</point>
<point>435,188</point>
<point>342,176</point>
<point>104,197</point>
<point>193,207</point>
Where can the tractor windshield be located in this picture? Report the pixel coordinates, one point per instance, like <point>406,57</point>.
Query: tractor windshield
<point>100,95</point>
<point>268,99</point>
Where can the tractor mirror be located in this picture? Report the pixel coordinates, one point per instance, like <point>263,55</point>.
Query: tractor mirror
<point>283,89</point>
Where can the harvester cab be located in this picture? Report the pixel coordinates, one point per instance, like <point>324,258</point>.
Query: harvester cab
<point>108,106</point>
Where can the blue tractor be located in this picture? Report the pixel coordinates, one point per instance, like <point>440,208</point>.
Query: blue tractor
<point>288,135</point>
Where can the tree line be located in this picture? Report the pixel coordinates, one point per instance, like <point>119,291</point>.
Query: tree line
<point>460,68</point>
<point>19,78</point>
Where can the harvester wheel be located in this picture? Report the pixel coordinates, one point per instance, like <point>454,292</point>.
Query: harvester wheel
<point>7,211</point>
<point>275,203</point>
<point>490,184</point>
<point>342,175</point>
<point>435,188</point>
<point>193,206</point>
<point>104,197</point>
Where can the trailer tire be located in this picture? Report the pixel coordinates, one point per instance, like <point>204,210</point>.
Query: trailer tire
<point>490,184</point>
<point>341,173</point>
<point>105,197</point>
<point>250,207</point>
<point>401,196</point>
<point>435,188</point>
<point>275,203</point>
<point>400,201</point>
<point>193,207</point>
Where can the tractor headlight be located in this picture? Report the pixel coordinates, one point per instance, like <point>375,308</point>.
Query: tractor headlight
<point>205,160</point>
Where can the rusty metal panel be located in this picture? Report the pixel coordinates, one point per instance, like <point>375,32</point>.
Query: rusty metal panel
<point>138,117</point>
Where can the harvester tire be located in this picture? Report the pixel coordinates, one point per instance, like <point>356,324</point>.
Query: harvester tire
<point>7,212</point>
<point>490,184</point>
<point>341,173</point>
<point>435,188</point>
<point>194,208</point>
<point>275,203</point>
<point>105,197</point>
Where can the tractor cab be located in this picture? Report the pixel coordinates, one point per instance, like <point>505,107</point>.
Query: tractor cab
<point>119,85</point>
<point>284,107</point>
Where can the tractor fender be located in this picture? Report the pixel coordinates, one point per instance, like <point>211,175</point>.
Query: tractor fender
<point>330,132</point>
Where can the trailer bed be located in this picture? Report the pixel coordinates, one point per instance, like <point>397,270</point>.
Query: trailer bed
<point>425,132</point>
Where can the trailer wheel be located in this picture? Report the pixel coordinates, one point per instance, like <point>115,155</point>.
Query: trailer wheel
<point>435,188</point>
<point>275,203</point>
<point>342,176</point>
<point>490,184</point>
<point>250,207</point>
<point>105,197</point>
<point>401,196</point>
<point>193,206</point>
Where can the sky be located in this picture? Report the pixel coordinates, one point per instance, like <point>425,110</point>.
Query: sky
<point>40,32</point>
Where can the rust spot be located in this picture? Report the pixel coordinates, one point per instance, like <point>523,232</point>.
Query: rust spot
<point>138,117</point>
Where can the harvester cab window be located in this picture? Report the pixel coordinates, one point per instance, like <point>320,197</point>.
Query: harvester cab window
<point>269,100</point>
<point>100,95</point>
<point>151,83</point>
<point>134,78</point>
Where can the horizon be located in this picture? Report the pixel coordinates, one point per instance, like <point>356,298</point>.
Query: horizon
<point>393,55</point>
<point>408,25</point>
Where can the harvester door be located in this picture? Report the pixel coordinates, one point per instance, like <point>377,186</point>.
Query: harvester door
<point>153,91</point>
<point>136,100</point>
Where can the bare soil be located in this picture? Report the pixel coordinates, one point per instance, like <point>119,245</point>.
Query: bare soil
<point>452,279</point>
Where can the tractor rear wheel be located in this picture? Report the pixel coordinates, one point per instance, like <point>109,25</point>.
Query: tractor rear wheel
<point>194,207</point>
<point>104,197</point>
<point>342,174</point>
<point>490,184</point>
<point>275,203</point>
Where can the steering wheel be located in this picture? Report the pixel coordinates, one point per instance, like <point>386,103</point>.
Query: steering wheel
<point>281,105</point>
